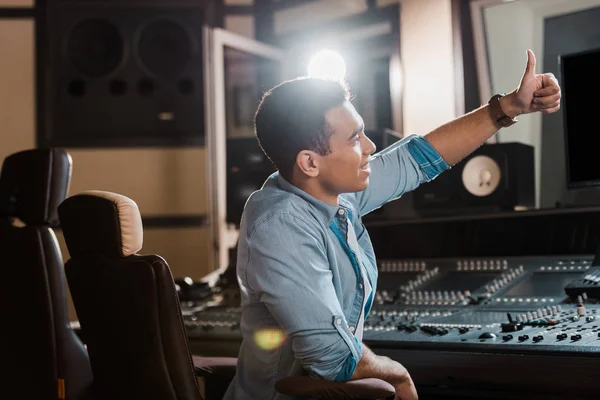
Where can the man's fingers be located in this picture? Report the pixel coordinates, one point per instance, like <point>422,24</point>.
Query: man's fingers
<point>547,91</point>
<point>542,102</point>
<point>548,79</point>
<point>553,108</point>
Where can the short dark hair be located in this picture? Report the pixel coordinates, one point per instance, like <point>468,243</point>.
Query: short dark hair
<point>291,118</point>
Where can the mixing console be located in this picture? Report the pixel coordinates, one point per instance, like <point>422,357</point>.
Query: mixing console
<point>469,324</point>
<point>511,301</point>
<point>490,327</point>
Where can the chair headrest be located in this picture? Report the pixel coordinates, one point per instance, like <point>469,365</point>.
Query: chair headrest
<point>101,222</point>
<point>33,183</point>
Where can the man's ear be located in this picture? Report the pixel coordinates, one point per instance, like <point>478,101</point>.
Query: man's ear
<point>308,163</point>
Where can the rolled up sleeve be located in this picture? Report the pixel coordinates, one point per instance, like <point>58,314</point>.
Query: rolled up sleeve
<point>290,274</point>
<point>398,169</point>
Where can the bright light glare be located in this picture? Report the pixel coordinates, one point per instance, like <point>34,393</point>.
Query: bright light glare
<point>327,64</point>
<point>269,339</point>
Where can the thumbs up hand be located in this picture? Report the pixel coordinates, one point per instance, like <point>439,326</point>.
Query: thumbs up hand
<point>536,92</point>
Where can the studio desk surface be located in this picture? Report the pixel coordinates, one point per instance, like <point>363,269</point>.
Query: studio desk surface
<point>474,327</point>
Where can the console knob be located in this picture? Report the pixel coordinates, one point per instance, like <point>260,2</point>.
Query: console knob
<point>487,335</point>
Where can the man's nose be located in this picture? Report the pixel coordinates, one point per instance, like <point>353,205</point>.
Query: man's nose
<point>369,146</point>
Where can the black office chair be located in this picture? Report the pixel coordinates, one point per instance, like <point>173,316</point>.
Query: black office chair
<point>129,313</point>
<point>128,307</point>
<point>41,356</point>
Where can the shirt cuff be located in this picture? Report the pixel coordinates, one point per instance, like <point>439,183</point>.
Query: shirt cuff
<point>349,365</point>
<point>430,161</point>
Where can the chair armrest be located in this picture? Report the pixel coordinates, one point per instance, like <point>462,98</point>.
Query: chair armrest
<point>214,366</point>
<point>305,386</point>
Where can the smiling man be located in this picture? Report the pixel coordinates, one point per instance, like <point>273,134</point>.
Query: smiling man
<point>306,266</point>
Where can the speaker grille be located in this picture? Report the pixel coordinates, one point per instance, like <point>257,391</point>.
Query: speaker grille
<point>95,48</point>
<point>122,94</point>
<point>164,48</point>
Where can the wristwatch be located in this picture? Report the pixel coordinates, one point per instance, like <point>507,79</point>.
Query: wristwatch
<point>497,113</point>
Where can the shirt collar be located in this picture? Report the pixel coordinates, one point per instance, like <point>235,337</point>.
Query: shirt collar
<point>325,210</point>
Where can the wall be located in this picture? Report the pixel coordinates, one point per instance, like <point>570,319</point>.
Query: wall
<point>506,43</point>
<point>508,59</point>
<point>427,61</point>
<point>17,97</point>
<point>427,64</point>
<point>165,182</point>
<point>172,181</point>
<point>572,32</point>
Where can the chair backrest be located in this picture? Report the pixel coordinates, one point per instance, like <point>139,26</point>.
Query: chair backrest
<point>41,356</point>
<point>127,303</point>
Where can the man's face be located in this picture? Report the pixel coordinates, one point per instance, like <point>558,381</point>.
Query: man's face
<point>346,169</point>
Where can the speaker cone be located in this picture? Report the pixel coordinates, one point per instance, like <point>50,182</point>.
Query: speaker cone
<point>164,48</point>
<point>95,47</point>
<point>481,176</point>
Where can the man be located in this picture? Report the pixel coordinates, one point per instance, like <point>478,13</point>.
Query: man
<point>306,267</point>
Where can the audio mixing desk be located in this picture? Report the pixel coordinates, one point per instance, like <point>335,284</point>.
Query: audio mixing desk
<point>478,327</point>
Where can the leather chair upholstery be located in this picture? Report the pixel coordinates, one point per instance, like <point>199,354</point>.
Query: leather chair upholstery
<point>42,358</point>
<point>127,303</point>
<point>360,389</point>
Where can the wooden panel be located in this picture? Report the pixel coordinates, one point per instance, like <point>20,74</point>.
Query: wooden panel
<point>161,181</point>
<point>17,83</point>
<point>240,24</point>
<point>428,66</point>
<point>185,249</point>
<point>16,3</point>
<point>239,2</point>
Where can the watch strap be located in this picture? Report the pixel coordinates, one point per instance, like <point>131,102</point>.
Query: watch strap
<point>497,113</point>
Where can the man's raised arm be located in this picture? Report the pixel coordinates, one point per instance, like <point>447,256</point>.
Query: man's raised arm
<point>460,137</point>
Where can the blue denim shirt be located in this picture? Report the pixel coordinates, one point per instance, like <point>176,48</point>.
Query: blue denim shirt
<point>300,285</point>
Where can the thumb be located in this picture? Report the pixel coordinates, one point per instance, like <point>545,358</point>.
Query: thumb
<point>530,68</point>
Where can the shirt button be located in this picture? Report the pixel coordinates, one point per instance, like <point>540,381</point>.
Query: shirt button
<point>338,321</point>
<point>352,329</point>
<point>341,211</point>
<point>360,285</point>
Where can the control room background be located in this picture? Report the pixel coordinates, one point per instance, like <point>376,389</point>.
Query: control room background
<point>444,60</point>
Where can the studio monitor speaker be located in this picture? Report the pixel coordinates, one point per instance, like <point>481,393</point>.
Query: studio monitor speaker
<point>247,169</point>
<point>124,72</point>
<point>495,177</point>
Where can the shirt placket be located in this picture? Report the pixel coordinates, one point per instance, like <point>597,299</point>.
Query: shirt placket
<point>342,221</point>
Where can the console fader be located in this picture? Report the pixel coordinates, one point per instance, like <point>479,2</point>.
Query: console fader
<point>506,301</point>
<point>498,325</point>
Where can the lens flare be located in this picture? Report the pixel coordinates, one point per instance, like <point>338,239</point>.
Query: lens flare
<point>269,339</point>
